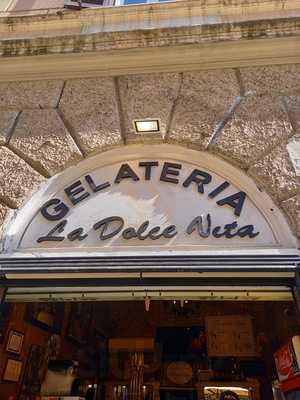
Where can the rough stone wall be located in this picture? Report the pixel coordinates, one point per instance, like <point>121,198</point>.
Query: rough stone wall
<point>246,116</point>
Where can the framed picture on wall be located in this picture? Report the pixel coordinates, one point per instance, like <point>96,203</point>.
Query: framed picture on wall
<point>12,371</point>
<point>48,316</point>
<point>79,323</point>
<point>4,318</point>
<point>14,342</point>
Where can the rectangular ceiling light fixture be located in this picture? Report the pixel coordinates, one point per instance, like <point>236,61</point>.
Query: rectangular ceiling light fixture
<point>146,126</point>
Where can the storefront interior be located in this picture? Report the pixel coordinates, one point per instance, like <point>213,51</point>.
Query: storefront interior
<point>144,350</point>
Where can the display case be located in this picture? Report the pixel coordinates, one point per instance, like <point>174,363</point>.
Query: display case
<point>244,390</point>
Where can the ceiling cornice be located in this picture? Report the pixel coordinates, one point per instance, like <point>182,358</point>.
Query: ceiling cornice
<point>104,42</point>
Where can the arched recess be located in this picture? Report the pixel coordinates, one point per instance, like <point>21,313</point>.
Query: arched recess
<point>172,210</point>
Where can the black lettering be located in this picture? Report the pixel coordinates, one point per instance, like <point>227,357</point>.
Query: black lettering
<point>104,224</point>
<point>198,224</point>
<point>170,169</point>
<point>219,189</point>
<point>247,230</point>
<point>152,233</point>
<point>142,229</point>
<point>236,201</point>
<point>60,210</point>
<point>201,178</point>
<point>169,231</point>
<point>129,233</point>
<point>148,166</point>
<point>77,234</point>
<point>244,231</point>
<point>93,186</point>
<point>216,232</point>
<point>50,237</point>
<point>228,228</point>
<point>126,172</point>
<point>73,190</point>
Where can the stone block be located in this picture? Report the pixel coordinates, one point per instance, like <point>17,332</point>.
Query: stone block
<point>204,100</point>
<point>7,119</point>
<point>275,174</point>
<point>258,124</point>
<point>90,108</point>
<point>148,96</point>
<point>4,210</point>
<point>17,178</point>
<point>293,105</point>
<point>36,94</point>
<point>271,79</point>
<point>292,209</point>
<point>41,138</point>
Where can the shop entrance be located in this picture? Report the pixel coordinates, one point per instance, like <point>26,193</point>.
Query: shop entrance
<point>154,272</point>
<point>144,350</point>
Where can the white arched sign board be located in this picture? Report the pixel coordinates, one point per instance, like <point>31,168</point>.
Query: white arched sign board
<point>158,198</point>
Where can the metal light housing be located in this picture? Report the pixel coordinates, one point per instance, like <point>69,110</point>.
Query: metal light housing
<point>148,125</point>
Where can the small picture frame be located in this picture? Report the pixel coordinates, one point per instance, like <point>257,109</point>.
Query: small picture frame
<point>12,371</point>
<point>14,342</point>
<point>48,316</point>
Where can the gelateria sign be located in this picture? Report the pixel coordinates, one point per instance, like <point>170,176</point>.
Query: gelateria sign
<point>146,203</point>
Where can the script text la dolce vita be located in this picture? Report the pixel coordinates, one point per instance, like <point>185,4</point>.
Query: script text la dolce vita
<point>57,210</point>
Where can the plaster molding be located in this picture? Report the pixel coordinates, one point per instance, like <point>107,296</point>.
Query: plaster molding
<point>166,37</point>
<point>55,22</point>
<point>230,54</point>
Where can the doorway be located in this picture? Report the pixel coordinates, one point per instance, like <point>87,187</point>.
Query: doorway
<point>122,350</point>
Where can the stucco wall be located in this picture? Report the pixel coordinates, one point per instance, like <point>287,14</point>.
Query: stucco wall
<point>24,5</point>
<point>246,116</point>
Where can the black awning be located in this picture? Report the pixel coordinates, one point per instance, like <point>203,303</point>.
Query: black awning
<point>159,263</point>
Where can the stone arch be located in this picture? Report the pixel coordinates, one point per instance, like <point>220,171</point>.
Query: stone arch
<point>18,225</point>
<point>48,125</point>
<point>290,206</point>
